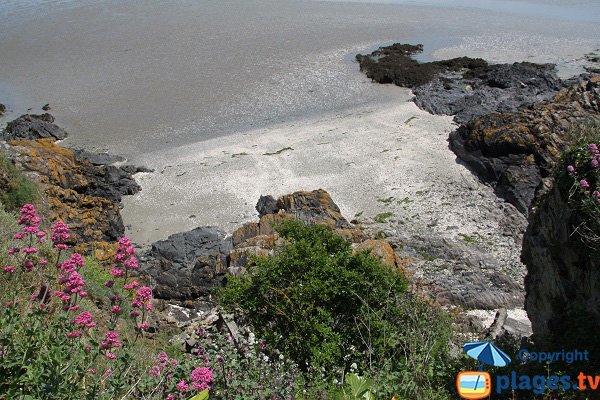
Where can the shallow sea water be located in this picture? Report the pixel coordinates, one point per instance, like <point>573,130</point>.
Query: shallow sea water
<point>134,77</point>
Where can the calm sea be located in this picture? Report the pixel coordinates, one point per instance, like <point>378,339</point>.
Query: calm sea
<point>135,76</point>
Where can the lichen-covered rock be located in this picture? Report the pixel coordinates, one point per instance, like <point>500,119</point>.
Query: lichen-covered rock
<point>83,195</point>
<point>515,151</point>
<point>563,275</point>
<point>383,250</point>
<point>31,126</point>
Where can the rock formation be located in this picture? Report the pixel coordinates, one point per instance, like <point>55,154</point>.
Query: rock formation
<point>84,195</point>
<point>464,87</point>
<point>515,151</point>
<point>31,126</point>
<point>563,279</point>
<point>188,265</point>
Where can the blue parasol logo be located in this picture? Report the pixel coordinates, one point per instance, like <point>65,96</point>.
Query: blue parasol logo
<point>487,353</point>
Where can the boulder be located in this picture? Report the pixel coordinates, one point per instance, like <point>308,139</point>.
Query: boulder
<point>31,126</point>
<point>266,205</point>
<point>187,265</point>
<point>2,109</point>
<point>383,250</point>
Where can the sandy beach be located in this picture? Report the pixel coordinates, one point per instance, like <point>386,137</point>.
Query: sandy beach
<point>373,160</point>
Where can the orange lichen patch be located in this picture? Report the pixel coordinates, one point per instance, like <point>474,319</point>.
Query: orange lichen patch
<point>382,250</point>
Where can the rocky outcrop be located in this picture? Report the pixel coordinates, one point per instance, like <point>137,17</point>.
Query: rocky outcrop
<point>188,265</point>
<point>563,275</point>
<point>31,126</point>
<point>464,87</point>
<point>515,151</point>
<point>2,109</point>
<point>84,195</point>
<point>495,88</point>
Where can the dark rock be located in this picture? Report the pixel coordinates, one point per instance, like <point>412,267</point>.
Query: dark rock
<point>2,109</point>
<point>31,126</point>
<point>188,265</point>
<point>515,151</point>
<point>393,64</point>
<point>495,88</point>
<point>97,158</point>
<point>563,273</point>
<point>266,205</point>
<point>46,107</point>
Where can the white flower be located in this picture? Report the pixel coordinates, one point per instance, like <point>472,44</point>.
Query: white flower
<point>335,381</point>
<point>265,358</point>
<point>353,366</point>
<point>281,357</point>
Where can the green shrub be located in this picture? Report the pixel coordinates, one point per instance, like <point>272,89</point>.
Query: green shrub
<point>15,188</point>
<point>333,311</point>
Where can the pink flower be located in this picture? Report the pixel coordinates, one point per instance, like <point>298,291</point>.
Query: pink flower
<point>109,284</point>
<point>111,340</point>
<point>18,236</point>
<point>60,234</point>
<point>155,371</point>
<point>144,293</point>
<point>162,358</point>
<point>30,250</point>
<point>593,148</point>
<point>9,268</point>
<point>144,326</point>
<point>584,184</point>
<point>201,375</point>
<point>131,285</point>
<point>74,308</point>
<point>571,169</point>
<point>172,397</point>
<point>117,272</point>
<point>183,387</point>
<point>117,309</point>
<point>134,314</point>
<point>91,371</point>
<point>595,163</point>
<point>74,334</point>
<point>110,356</point>
<point>42,261</point>
<point>85,319</point>
<point>132,263</point>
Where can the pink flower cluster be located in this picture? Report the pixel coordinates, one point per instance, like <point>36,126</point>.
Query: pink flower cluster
<point>200,379</point>
<point>110,343</point>
<point>594,162</point>
<point>71,281</point>
<point>125,258</point>
<point>60,235</point>
<point>31,235</point>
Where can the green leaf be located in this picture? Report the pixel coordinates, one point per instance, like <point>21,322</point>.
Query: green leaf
<point>203,395</point>
<point>359,386</point>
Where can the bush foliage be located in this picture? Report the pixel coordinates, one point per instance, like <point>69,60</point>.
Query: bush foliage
<point>15,188</point>
<point>335,311</point>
